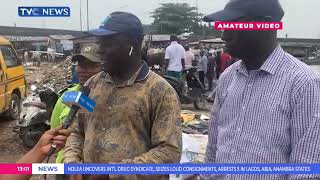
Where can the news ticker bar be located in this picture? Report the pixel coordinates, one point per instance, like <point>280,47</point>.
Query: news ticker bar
<point>159,168</point>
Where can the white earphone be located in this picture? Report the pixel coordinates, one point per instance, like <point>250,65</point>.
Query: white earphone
<point>130,52</point>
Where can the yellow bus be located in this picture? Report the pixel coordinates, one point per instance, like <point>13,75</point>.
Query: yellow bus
<point>12,80</point>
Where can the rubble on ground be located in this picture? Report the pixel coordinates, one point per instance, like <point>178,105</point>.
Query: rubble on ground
<point>194,136</point>
<point>193,123</point>
<point>194,148</point>
<point>48,74</point>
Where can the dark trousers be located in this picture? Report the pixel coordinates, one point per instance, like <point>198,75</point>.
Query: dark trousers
<point>218,72</point>
<point>174,74</point>
<point>210,80</point>
<point>201,77</point>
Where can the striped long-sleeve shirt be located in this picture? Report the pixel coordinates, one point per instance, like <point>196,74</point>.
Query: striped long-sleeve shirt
<point>271,115</point>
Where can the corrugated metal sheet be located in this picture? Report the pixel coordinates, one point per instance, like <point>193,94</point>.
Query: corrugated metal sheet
<point>61,37</point>
<point>39,32</point>
<point>26,38</point>
<point>299,40</point>
<point>216,40</point>
<point>160,37</point>
<point>194,43</point>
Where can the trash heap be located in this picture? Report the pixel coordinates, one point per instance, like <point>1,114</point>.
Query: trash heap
<point>193,123</point>
<point>48,74</point>
<point>194,136</point>
<point>59,75</point>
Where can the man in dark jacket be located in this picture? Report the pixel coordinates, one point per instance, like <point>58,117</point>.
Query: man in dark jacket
<point>211,70</point>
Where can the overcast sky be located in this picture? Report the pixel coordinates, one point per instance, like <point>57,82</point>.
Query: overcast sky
<point>301,16</point>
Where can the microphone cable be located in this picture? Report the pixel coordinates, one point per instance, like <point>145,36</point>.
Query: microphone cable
<point>50,153</point>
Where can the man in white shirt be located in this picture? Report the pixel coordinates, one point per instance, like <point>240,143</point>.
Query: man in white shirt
<point>175,58</point>
<point>51,56</point>
<point>26,56</point>
<point>189,57</point>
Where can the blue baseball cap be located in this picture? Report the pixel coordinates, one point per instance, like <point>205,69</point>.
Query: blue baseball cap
<point>119,23</point>
<point>252,8</point>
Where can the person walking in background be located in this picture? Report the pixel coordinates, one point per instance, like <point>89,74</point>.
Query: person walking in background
<point>26,56</point>
<point>225,59</point>
<point>175,58</point>
<point>36,59</point>
<point>189,57</point>
<point>218,63</point>
<point>211,70</point>
<point>203,66</point>
<point>74,74</point>
<point>213,51</point>
<point>51,55</point>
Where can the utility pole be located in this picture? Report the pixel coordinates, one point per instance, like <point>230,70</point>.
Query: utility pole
<point>87,15</point>
<point>197,1</point>
<point>43,23</point>
<point>80,16</point>
<point>15,32</point>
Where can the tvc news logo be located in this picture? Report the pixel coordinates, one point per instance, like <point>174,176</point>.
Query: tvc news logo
<point>248,26</point>
<point>44,11</point>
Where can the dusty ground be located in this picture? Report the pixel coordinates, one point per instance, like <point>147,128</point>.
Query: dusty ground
<point>11,147</point>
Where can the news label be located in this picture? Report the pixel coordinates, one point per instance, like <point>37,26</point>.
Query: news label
<point>47,168</point>
<point>30,11</point>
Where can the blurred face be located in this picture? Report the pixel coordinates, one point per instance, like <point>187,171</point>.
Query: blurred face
<point>86,69</point>
<point>114,52</point>
<point>242,44</point>
<point>245,44</point>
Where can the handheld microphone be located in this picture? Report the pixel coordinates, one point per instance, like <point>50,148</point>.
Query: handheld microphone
<point>68,99</point>
<point>76,100</point>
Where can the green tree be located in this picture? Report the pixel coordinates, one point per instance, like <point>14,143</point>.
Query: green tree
<point>175,18</point>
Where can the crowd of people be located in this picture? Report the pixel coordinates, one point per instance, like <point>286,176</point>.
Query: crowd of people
<point>266,108</point>
<point>210,64</point>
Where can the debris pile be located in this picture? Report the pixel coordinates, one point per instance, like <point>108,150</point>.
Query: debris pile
<point>48,74</point>
<point>193,148</point>
<point>194,136</point>
<point>59,75</point>
<point>194,123</point>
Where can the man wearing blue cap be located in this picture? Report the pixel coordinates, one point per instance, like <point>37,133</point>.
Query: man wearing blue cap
<point>267,105</point>
<point>137,114</point>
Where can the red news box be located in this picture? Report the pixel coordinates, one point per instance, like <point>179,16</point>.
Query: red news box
<point>15,168</point>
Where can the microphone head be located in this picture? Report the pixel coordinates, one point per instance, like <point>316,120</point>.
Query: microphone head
<point>85,90</point>
<point>79,99</point>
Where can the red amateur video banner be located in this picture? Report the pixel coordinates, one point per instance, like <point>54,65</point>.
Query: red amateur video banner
<point>248,26</point>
